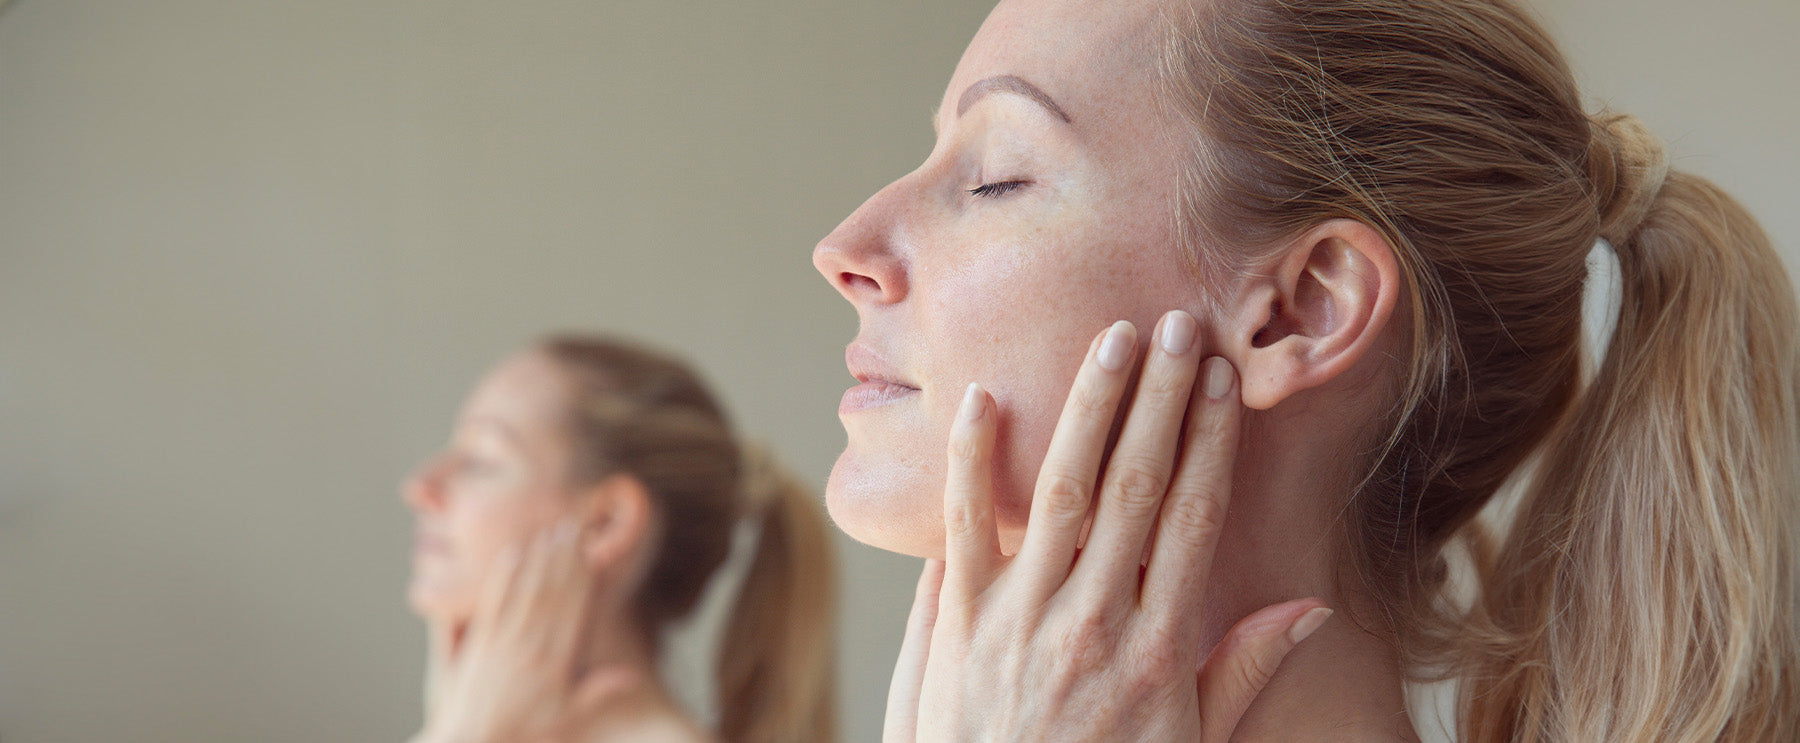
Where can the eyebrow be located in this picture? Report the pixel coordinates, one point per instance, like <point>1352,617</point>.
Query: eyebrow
<point>505,432</point>
<point>1009,84</point>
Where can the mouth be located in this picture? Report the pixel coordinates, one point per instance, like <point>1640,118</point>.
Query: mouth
<point>427,543</point>
<point>878,384</point>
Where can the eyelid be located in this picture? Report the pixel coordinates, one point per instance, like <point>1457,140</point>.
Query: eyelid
<point>998,188</point>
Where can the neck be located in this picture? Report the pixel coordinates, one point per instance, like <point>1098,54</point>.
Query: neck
<point>644,710</point>
<point>1281,543</point>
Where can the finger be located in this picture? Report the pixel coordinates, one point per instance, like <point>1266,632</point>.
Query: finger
<point>1065,486</point>
<point>901,723</point>
<point>601,686</point>
<point>972,547</point>
<point>1243,663</point>
<point>438,659</point>
<point>1138,472</point>
<point>526,596</point>
<point>1192,515</point>
<point>567,596</point>
<point>496,587</point>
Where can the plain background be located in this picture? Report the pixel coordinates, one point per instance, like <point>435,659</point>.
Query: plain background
<point>252,254</point>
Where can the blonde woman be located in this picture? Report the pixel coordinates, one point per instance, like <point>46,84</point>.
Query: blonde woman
<point>1354,234</point>
<point>590,490</point>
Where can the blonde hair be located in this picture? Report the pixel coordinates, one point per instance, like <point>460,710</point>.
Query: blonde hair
<point>1646,589</point>
<point>649,415</point>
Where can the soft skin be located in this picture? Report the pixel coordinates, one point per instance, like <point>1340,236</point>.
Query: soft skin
<point>501,481</point>
<point>955,283</point>
<point>1005,289</point>
<point>524,573</point>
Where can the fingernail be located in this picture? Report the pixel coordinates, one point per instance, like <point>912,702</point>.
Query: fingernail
<point>1218,377</point>
<point>1115,348</point>
<point>972,407</point>
<point>1177,332</point>
<point>1308,624</point>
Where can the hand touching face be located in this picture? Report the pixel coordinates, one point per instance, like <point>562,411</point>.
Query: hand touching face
<point>1044,213</point>
<point>501,480</point>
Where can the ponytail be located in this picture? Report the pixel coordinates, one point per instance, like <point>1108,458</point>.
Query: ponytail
<point>776,675</point>
<point>648,414</point>
<point>1647,589</point>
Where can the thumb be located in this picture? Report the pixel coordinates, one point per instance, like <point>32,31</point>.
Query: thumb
<point>1243,663</point>
<point>902,721</point>
<point>439,658</point>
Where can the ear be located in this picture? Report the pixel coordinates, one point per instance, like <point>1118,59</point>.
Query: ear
<point>1314,311</point>
<point>616,517</point>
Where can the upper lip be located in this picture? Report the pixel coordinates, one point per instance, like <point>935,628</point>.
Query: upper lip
<point>868,366</point>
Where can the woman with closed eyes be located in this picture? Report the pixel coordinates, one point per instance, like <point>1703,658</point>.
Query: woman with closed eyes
<point>1325,262</point>
<point>1225,360</point>
<point>589,493</point>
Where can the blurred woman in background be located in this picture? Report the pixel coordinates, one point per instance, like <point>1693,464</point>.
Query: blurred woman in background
<point>590,490</point>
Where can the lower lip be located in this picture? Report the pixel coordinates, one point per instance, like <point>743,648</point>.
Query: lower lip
<point>873,395</point>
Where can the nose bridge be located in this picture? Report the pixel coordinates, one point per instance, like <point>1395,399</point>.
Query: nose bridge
<point>860,258</point>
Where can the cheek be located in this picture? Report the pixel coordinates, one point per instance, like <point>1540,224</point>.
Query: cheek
<point>480,529</point>
<point>1021,322</point>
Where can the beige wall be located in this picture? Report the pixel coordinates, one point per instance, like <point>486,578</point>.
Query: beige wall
<point>252,254</point>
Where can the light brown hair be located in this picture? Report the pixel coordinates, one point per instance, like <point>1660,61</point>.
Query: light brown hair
<point>643,413</point>
<point>1646,589</point>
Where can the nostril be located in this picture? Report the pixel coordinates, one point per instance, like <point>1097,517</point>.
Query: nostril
<point>852,280</point>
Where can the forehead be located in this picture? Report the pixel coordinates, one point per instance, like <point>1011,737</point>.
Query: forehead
<point>527,392</point>
<point>1097,59</point>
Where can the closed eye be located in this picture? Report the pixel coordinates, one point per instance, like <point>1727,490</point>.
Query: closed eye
<point>1001,188</point>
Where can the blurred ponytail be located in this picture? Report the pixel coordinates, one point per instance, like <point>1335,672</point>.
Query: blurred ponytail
<point>647,414</point>
<point>776,675</point>
<point>1647,590</point>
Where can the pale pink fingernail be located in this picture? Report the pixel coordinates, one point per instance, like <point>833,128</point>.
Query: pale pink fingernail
<point>1218,377</point>
<point>1177,332</point>
<point>972,405</point>
<point>1115,348</point>
<point>1308,624</point>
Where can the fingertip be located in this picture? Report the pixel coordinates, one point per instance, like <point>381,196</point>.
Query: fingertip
<point>974,404</point>
<point>1308,623</point>
<point>1176,332</point>
<point>1220,377</point>
<point>1117,345</point>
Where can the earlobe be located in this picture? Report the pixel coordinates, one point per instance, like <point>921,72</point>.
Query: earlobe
<point>1314,310</point>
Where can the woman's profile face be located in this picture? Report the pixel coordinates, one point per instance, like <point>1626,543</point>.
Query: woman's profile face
<point>501,480</point>
<point>1044,213</point>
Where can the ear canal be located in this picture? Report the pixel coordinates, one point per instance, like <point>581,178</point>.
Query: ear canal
<point>1274,329</point>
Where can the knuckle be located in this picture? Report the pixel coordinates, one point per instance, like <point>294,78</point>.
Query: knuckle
<point>1136,483</point>
<point>1064,495</point>
<point>1088,643</point>
<point>1091,402</point>
<point>1161,661</point>
<point>1163,385</point>
<point>962,519</point>
<point>1254,671</point>
<point>964,447</point>
<point>1195,519</point>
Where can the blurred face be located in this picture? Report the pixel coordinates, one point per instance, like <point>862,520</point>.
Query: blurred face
<point>501,481</point>
<point>1043,214</point>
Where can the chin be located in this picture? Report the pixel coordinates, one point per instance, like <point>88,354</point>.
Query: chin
<point>433,604</point>
<point>890,504</point>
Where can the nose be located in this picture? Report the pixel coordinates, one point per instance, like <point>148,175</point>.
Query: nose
<point>423,490</point>
<point>860,258</point>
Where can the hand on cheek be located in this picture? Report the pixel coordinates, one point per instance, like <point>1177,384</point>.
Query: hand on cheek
<point>1060,643</point>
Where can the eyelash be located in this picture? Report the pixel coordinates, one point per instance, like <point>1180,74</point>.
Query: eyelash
<point>993,190</point>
